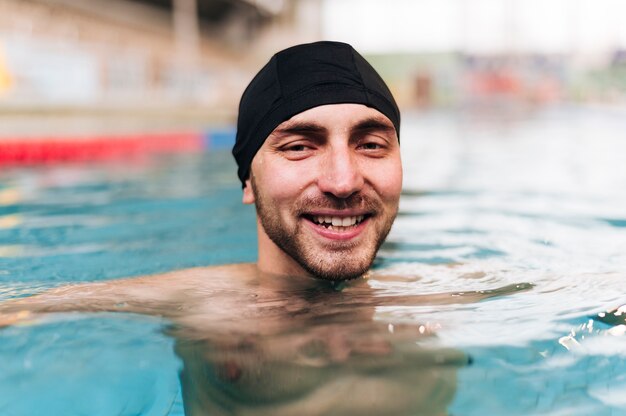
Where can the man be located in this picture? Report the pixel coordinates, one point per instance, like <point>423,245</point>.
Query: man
<point>318,154</point>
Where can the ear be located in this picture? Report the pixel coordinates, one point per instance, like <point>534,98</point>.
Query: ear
<point>248,195</point>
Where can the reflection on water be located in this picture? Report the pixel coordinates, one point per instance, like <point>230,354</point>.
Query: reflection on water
<point>535,200</point>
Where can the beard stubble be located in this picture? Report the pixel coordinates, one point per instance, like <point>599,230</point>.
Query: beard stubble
<point>337,261</point>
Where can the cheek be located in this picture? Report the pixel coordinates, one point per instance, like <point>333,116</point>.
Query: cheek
<point>280,180</point>
<point>387,179</point>
<point>393,187</point>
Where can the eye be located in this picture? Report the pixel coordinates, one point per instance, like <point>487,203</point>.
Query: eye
<point>370,146</point>
<point>296,148</point>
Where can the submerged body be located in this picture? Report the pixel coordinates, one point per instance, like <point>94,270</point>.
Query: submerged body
<point>262,344</point>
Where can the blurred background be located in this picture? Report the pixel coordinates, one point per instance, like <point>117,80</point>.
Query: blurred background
<point>166,57</point>
<point>193,58</point>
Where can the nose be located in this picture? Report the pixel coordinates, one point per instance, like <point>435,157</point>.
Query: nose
<point>340,174</point>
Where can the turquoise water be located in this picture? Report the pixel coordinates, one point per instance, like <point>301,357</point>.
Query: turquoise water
<point>524,197</point>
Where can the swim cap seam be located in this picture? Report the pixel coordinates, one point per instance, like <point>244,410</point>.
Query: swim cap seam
<point>276,73</point>
<point>356,68</point>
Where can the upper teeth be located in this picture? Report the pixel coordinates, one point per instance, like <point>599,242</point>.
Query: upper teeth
<point>338,221</point>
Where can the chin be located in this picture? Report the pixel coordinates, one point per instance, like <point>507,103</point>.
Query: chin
<point>335,275</point>
<point>337,269</point>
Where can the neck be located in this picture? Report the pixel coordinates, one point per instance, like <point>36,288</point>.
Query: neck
<point>277,268</point>
<point>296,283</point>
<point>273,260</point>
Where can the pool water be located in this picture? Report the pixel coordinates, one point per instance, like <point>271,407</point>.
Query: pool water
<point>491,200</point>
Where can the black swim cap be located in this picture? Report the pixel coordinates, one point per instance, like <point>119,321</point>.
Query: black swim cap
<point>300,78</point>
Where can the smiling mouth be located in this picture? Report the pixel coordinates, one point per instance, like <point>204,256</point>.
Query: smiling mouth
<point>336,223</point>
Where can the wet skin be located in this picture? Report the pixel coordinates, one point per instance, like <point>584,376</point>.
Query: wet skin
<point>264,344</point>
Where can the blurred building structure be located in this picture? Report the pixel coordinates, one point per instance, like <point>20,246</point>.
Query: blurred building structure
<point>198,55</point>
<point>471,52</point>
<point>116,55</point>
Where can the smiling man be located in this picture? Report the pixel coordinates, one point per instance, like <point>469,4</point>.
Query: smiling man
<point>326,185</point>
<point>318,154</point>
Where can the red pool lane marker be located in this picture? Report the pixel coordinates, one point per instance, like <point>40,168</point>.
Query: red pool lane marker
<point>43,150</point>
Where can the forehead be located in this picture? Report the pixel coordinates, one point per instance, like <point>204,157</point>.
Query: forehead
<point>337,116</point>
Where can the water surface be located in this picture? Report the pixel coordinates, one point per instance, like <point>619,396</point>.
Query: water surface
<point>489,201</point>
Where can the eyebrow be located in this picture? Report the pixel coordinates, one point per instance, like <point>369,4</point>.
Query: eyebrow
<point>304,128</point>
<point>313,129</point>
<point>374,123</point>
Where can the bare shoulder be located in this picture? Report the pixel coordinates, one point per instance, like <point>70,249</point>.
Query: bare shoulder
<point>150,294</point>
<point>222,276</point>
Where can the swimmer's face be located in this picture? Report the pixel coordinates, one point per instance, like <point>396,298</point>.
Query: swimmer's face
<point>326,185</point>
